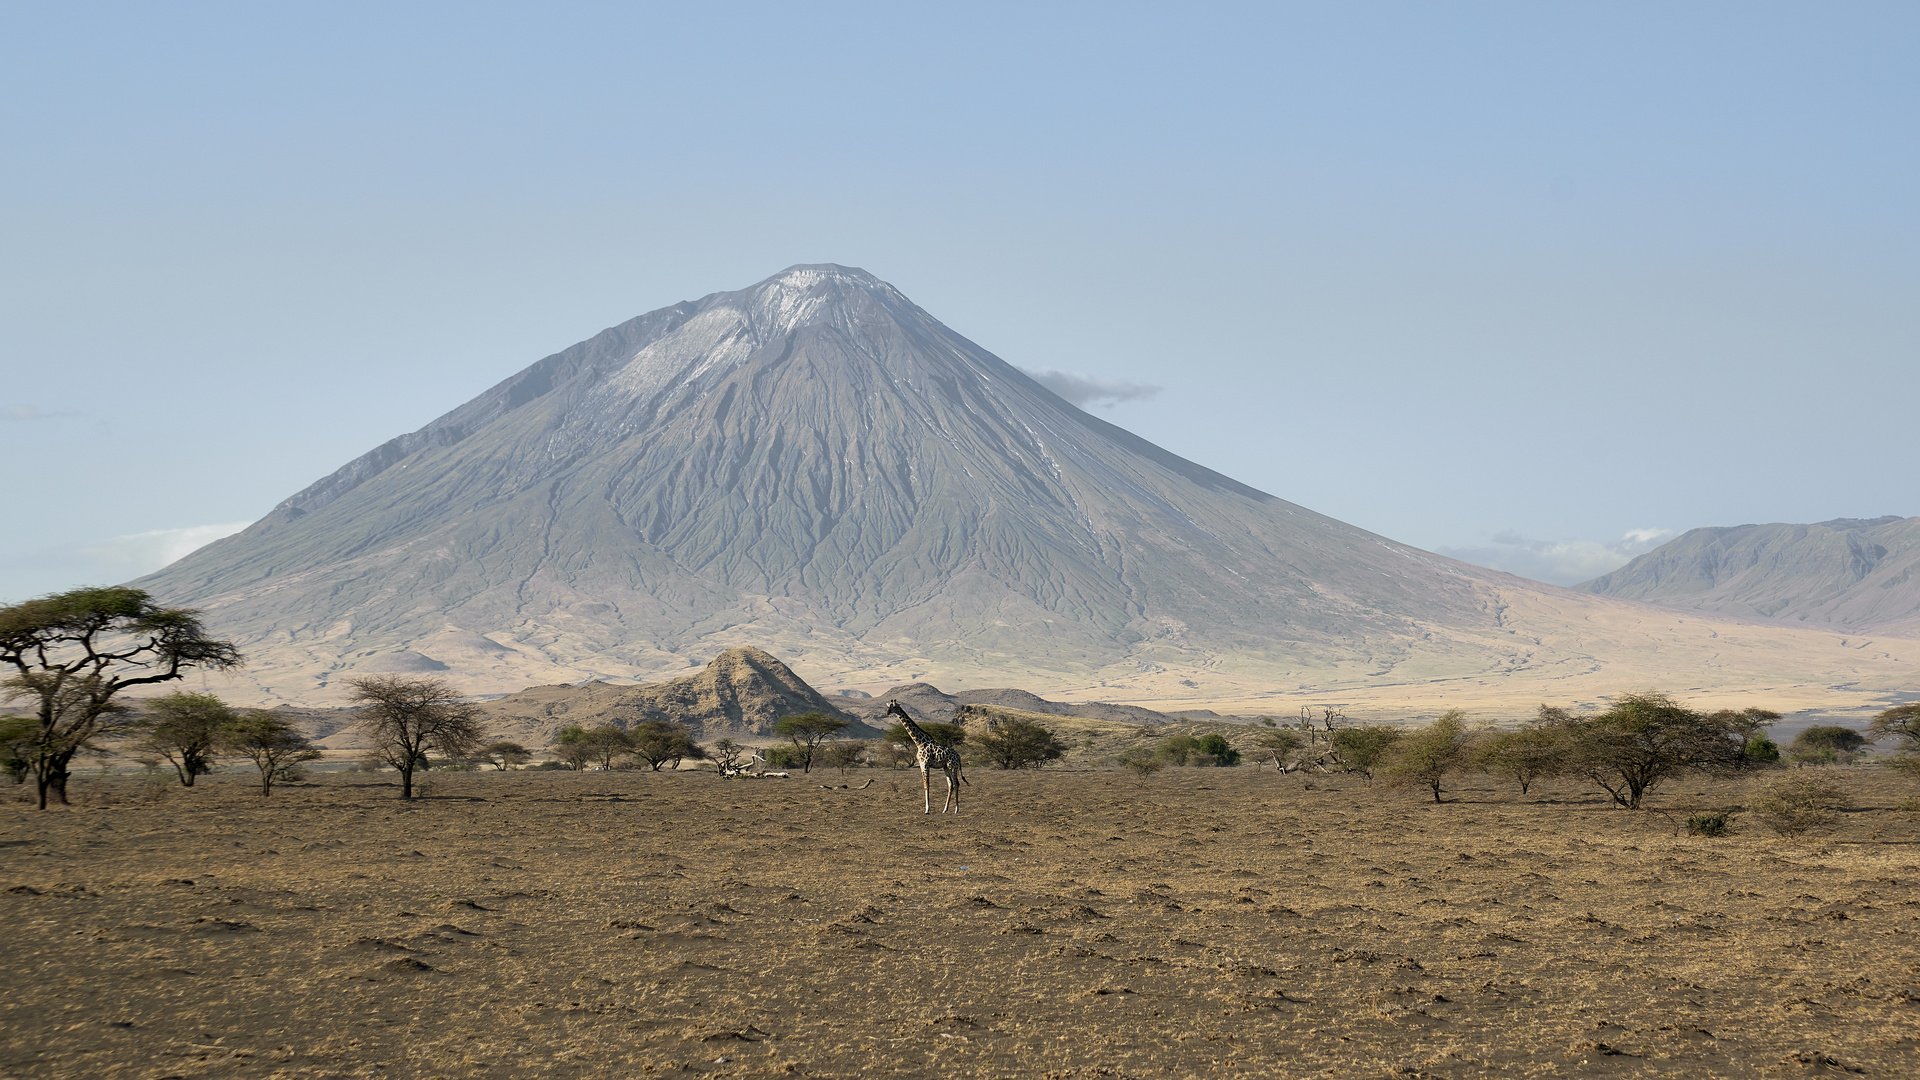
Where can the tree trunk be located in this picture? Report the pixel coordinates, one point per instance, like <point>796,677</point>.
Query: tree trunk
<point>406,780</point>
<point>50,776</point>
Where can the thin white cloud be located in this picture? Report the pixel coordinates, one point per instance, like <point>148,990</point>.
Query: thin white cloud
<point>144,552</point>
<point>13,413</point>
<point>1559,562</point>
<point>1083,389</point>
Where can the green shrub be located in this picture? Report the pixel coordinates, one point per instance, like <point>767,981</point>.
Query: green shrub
<point>1141,761</point>
<point>1215,745</point>
<point>1717,823</point>
<point>1761,750</point>
<point>1826,744</point>
<point>785,757</point>
<point>1198,752</point>
<point>1178,750</point>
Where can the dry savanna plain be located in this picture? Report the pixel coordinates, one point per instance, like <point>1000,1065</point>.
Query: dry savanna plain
<point>1085,923</point>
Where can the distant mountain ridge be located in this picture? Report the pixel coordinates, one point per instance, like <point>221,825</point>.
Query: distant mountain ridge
<point>1854,573</point>
<point>924,701</point>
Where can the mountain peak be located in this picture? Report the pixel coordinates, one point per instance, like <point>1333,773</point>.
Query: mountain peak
<point>812,464</point>
<point>812,275</point>
<point>811,294</point>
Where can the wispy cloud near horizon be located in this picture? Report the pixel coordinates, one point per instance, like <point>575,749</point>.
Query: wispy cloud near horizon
<point>144,552</point>
<point>1084,390</point>
<point>19,413</point>
<point>1559,562</point>
<point>85,563</point>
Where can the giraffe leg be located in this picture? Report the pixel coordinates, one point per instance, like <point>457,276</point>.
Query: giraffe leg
<point>926,783</point>
<point>953,792</point>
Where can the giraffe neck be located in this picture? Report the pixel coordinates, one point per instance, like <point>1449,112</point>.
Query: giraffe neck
<point>919,737</point>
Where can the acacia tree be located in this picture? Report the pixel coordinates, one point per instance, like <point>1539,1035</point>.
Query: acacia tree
<point>807,731</point>
<point>1902,724</point>
<point>1362,749</point>
<point>1020,744</point>
<point>271,742</point>
<point>504,754</point>
<point>570,747</point>
<point>184,728</point>
<point>1427,756</point>
<point>1643,740</point>
<point>1751,724</point>
<point>605,743</point>
<point>1528,754</point>
<point>72,653</point>
<point>662,742</point>
<point>844,754</point>
<point>405,717</point>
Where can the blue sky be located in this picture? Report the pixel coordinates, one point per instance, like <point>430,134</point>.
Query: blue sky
<point>1532,284</point>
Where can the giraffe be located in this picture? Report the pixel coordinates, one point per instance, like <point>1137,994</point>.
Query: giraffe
<point>929,756</point>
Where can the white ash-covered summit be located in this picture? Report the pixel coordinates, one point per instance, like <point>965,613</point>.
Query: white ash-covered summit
<point>817,467</point>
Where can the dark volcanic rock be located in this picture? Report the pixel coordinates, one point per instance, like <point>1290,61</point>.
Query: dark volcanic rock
<point>743,692</point>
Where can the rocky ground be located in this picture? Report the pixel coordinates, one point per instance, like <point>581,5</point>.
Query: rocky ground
<point>1215,922</point>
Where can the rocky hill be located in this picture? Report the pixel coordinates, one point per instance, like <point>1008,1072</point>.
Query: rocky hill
<point>741,694</point>
<point>1853,573</point>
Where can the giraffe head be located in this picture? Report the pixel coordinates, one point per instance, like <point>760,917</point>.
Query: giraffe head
<point>894,709</point>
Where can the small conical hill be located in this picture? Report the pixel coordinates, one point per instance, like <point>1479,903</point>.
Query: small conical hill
<point>742,693</point>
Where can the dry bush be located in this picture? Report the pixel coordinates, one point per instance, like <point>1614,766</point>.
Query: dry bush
<point>1715,823</point>
<point>1801,801</point>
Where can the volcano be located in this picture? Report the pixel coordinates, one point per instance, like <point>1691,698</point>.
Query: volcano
<point>816,467</point>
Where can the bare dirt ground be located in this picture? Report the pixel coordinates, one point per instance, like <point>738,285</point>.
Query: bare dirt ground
<point>1200,922</point>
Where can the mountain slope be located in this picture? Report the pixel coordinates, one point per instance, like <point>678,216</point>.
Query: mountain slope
<point>816,467</point>
<point>1853,573</point>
